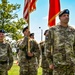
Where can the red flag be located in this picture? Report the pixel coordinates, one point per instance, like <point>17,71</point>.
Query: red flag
<point>29,6</point>
<point>32,5</point>
<point>54,9</point>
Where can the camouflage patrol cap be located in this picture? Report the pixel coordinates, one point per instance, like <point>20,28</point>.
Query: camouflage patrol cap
<point>25,29</point>
<point>2,31</point>
<point>32,34</point>
<point>66,11</point>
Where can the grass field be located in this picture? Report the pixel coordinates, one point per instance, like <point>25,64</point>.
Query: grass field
<point>15,70</point>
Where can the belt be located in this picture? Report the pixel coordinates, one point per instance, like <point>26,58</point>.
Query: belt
<point>3,62</point>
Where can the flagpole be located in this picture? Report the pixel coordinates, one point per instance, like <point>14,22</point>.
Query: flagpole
<point>28,25</point>
<point>29,6</point>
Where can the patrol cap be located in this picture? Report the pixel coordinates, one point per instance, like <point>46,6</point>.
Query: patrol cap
<point>25,29</point>
<point>32,34</point>
<point>2,31</point>
<point>66,11</point>
<point>45,32</point>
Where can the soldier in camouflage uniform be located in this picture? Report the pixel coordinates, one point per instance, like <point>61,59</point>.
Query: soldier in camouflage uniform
<point>32,35</point>
<point>60,43</point>
<point>37,58</point>
<point>28,62</point>
<point>18,51</point>
<point>45,64</point>
<point>6,58</point>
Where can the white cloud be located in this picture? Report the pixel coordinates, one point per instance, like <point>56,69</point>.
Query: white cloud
<point>45,18</point>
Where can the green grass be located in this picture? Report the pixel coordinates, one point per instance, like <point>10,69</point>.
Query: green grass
<point>15,70</point>
<point>39,71</point>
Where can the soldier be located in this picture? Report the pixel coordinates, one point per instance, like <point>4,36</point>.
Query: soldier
<point>18,51</point>
<point>32,35</point>
<point>28,59</point>
<point>45,64</point>
<point>37,58</point>
<point>60,43</point>
<point>6,57</point>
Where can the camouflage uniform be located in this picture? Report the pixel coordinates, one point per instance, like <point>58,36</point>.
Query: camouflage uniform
<point>18,51</point>
<point>60,43</point>
<point>6,58</point>
<point>45,64</point>
<point>28,65</point>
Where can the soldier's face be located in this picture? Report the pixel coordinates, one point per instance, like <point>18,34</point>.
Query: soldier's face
<point>64,18</point>
<point>32,37</point>
<point>1,36</point>
<point>26,32</point>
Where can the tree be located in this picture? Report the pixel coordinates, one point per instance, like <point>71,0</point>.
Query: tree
<point>7,19</point>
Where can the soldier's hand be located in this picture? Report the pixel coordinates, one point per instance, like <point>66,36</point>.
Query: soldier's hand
<point>51,66</point>
<point>30,54</point>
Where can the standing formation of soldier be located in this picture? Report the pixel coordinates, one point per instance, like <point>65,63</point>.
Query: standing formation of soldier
<point>57,51</point>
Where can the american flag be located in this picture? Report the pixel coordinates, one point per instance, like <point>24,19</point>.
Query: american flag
<point>32,5</point>
<point>29,6</point>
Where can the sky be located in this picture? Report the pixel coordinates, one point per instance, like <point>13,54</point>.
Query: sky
<point>38,18</point>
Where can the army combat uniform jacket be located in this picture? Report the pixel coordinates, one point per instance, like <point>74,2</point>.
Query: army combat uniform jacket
<point>28,65</point>
<point>6,57</point>
<point>60,43</point>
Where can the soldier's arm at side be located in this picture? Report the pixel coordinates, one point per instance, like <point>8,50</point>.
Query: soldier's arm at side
<point>37,51</point>
<point>10,57</point>
<point>48,43</point>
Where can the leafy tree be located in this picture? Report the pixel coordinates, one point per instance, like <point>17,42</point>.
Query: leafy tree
<point>8,19</point>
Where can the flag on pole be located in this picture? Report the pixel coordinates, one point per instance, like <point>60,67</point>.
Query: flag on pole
<point>25,11</point>
<point>29,6</point>
<point>32,5</point>
<point>54,9</point>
